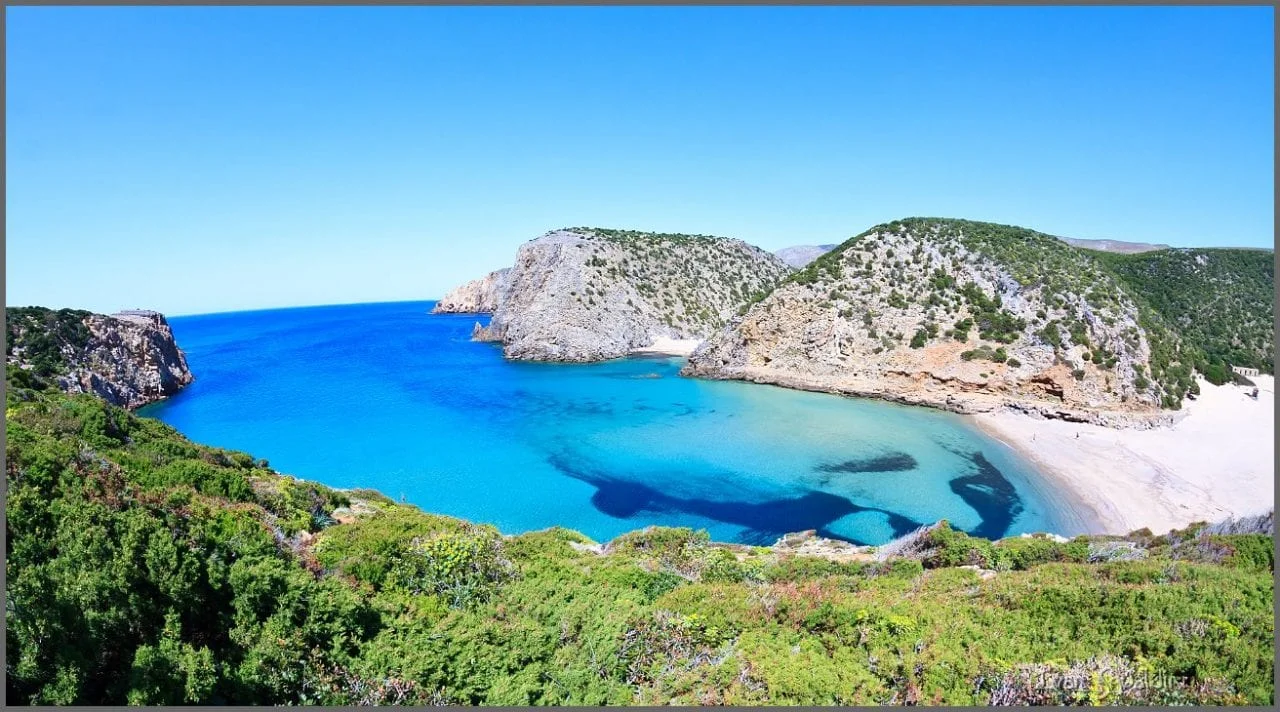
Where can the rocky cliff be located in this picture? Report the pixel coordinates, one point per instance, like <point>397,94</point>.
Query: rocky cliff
<point>479,296</point>
<point>128,359</point>
<point>962,315</point>
<point>588,294</point>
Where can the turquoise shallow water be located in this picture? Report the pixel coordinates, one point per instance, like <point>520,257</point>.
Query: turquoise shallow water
<point>391,397</point>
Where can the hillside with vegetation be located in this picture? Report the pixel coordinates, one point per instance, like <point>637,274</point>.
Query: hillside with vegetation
<point>43,343</point>
<point>588,294</point>
<point>146,569</point>
<point>963,315</point>
<point>1221,303</point>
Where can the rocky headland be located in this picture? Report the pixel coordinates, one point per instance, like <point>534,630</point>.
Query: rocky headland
<point>479,296</point>
<point>129,359</point>
<point>590,294</point>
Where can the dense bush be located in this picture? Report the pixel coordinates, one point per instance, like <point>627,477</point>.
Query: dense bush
<point>1220,302</point>
<point>43,335</point>
<point>140,572</point>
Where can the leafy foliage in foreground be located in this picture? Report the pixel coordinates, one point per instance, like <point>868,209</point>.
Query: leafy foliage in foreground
<point>146,569</point>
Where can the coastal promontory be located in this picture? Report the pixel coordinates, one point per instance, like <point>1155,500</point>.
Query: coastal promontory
<point>589,294</point>
<point>129,359</point>
<point>479,296</point>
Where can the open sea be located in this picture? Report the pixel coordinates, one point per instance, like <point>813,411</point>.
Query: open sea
<point>390,397</point>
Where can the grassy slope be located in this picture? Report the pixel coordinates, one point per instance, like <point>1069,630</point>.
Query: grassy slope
<point>145,568</point>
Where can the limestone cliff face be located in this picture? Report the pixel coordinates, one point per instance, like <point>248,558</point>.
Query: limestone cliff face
<point>479,296</point>
<point>129,359</point>
<point>954,314</point>
<point>589,294</point>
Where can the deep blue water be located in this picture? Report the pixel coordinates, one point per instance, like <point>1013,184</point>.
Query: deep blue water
<point>391,397</point>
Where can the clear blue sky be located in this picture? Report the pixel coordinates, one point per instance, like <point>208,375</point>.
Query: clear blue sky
<point>212,159</point>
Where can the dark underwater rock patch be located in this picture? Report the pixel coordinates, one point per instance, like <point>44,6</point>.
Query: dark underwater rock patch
<point>991,495</point>
<point>764,520</point>
<point>892,462</point>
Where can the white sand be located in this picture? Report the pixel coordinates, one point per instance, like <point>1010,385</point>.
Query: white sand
<point>669,346</point>
<point>1217,461</point>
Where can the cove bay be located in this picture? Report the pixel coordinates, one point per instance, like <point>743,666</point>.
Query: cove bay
<point>388,396</point>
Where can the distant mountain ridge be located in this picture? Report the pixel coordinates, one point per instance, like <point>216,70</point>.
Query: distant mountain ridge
<point>1065,326</point>
<point>1117,246</point>
<point>801,255</point>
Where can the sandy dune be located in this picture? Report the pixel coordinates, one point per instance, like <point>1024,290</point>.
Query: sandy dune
<point>1217,461</point>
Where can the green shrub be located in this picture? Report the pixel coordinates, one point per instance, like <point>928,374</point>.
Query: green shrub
<point>1021,553</point>
<point>985,353</point>
<point>1251,551</point>
<point>370,548</point>
<point>204,477</point>
<point>1217,373</point>
<point>462,567</point>
<point>949,547</point>
<point>122,593</point>
<point>677,549</point>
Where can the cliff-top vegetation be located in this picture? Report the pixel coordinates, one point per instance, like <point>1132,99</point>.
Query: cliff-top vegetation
<point>41,339</point>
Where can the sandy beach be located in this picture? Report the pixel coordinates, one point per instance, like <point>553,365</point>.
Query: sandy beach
<point>1216,461</point>
<point>669,346</point>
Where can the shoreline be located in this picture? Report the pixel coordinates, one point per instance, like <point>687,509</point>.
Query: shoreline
<point>1114,473</point>
<point>1216,461</point>
<point>1074,510</point>
<point>968,404</point>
